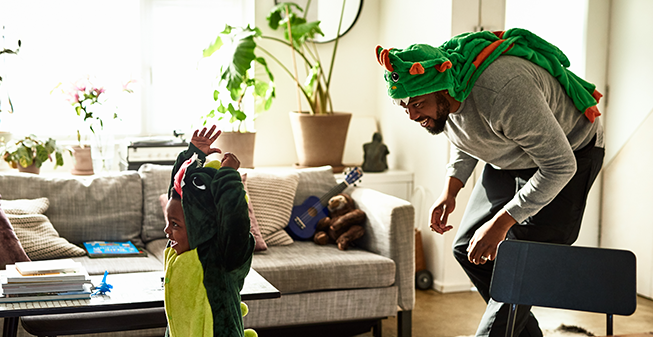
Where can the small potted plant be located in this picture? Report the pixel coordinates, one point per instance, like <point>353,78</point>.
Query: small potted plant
<point>244,43</point>
<point>29,153</point>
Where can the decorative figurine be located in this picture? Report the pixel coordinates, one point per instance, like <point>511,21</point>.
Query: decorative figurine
<point>375,155</point>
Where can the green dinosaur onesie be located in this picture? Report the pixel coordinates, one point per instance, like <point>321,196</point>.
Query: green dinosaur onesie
<point>202,286</point>
<point>454,66</point>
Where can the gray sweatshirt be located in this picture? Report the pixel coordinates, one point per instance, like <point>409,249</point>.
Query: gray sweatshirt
<point>518,116</point>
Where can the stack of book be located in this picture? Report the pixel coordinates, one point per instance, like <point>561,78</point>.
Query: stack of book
<point>48,280</point>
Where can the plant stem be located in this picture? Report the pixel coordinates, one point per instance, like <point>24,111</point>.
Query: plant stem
<point>335,47</point>
<point>294,61</point>
<point>288,44</point>
<point>286,70</point>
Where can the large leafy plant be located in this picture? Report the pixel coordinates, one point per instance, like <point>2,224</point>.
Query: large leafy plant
<point>298,35</point>
<point>31,150</point>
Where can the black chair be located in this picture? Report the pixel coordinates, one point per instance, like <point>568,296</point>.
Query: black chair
<point>565,277</point>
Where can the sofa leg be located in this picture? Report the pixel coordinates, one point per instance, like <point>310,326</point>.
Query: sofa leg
<point>404,323</point>
<point>377,329</point>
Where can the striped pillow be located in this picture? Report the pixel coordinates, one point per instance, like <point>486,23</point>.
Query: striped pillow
<point>272,194</point>
<point>39,238</point>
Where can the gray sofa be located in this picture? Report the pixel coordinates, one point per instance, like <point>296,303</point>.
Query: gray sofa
<point>320,285</point>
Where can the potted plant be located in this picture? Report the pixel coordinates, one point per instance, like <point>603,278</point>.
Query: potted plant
<point>29,153</point>
<point>237,88</point>
<point>299,36</point>
<point>86,97</point>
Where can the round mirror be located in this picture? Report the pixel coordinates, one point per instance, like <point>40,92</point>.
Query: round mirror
<point>328,13</point>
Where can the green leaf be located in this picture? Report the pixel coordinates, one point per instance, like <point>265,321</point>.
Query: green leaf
<point>221,108</point>
<point>59,159</point>
<point>24,155</point>
<point>41,155</point>
<point>277,12</point>
<point>302,32</point>
<point>215,95</point>
<point>234,72</point>
<point>213,47</point>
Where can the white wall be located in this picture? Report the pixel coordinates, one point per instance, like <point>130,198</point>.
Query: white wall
<point>629,124</point>
<point>630,71</point>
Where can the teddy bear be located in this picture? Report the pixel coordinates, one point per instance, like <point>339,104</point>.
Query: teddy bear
<point>343,225</point>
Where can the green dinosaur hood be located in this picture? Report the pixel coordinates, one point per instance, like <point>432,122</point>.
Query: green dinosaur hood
<point>456,65</point>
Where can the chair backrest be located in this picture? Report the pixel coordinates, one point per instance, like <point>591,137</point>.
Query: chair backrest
<point>566,277</point>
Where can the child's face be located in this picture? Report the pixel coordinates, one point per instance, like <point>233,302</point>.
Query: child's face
<point>176,226</point>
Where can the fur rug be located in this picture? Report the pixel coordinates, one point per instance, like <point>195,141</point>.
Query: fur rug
<point>567,331</point>
<point>564,331</point>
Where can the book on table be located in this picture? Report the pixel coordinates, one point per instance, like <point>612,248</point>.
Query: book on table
<point>85,293</point>
<point>46,266</point>
<point>112,249</point>
<point>69,283</point>
<point>78,274</point>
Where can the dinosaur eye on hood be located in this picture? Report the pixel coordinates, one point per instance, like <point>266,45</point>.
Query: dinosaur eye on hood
<point>199,184</point>
<point>392,76</point>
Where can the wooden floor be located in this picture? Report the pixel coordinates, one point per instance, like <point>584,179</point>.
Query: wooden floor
<point>458,314</point>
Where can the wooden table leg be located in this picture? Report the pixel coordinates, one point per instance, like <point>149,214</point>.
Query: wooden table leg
<point>10,328</point>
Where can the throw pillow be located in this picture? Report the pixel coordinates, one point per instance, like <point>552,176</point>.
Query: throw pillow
<point>314,181</point>
<point>36,234</point>
<point>11,251</point>
<point>271,194</point>
<point>254,227</point>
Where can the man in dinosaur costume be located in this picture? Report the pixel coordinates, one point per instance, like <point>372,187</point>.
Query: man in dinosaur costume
<point>508,99</point>
<point>210,248</point>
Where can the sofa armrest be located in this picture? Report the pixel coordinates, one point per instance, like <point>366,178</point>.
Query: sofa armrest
<point>390,232</point>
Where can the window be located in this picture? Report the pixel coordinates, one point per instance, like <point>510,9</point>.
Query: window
<point>157,42</point>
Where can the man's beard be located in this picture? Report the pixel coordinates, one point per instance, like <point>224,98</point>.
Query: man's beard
<point>442,115</point>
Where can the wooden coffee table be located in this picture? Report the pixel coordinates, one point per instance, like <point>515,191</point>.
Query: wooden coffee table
<point>130,291</point>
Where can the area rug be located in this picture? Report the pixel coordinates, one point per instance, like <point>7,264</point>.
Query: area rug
<point>563,331</point>
<point>567,331</point>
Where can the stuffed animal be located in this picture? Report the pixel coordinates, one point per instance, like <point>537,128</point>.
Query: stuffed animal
<point>343,225</point>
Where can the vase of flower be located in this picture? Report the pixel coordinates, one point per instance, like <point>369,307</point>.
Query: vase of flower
<point>89,100</point>
<point>102,150</point>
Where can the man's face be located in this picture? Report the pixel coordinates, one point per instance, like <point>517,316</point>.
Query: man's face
<point>430,110</point>
<point>176,226</point>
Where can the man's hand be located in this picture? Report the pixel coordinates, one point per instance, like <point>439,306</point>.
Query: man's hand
<point>440,212</point>
<point>230,160</point>
<point>203,140</point>
<point>483,245</point>
<point>445,204</point>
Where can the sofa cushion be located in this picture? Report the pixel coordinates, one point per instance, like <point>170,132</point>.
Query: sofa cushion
<point>305,266</point>
<point>314,181</point>
<point>35,232</point>
<point>156,179</point>
<point>272,193</point>
<point>105,207</point>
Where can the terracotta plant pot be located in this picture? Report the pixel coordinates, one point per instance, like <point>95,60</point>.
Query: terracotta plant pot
<point>320,139</point>
<point>83,161</point>
<point>239,143</point>
<point>30,169</point>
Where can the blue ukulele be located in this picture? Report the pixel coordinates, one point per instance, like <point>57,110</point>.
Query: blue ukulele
<point>304,217</point>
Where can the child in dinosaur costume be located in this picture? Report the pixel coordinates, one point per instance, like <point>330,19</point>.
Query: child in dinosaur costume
<point>210,248</point>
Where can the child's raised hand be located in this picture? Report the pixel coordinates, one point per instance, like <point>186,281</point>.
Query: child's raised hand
<point>202,139</point>
<point>230,160</point>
